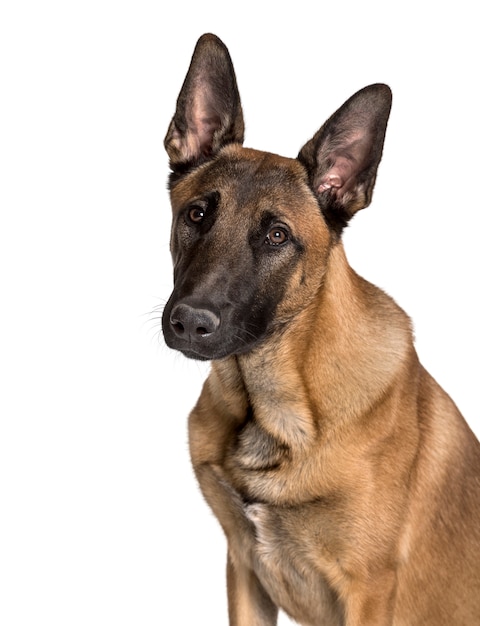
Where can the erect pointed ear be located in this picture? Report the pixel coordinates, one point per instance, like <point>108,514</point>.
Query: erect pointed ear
<point>209,113</point>
<point>343,157</point>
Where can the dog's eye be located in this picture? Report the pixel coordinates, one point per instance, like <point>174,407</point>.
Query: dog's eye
<point>276,236</point>
<point>196,214</point>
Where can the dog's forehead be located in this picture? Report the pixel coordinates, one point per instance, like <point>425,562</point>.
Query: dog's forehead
<point>260,164</point>
<point>246,177</point>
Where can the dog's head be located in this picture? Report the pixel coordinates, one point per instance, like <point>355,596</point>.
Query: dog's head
<point>252,231</point>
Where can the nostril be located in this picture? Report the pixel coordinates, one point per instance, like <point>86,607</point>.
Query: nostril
<point>202,331</point>
<point>179,327</point>
<point>175,322</point>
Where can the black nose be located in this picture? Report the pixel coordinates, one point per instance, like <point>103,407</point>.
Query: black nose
<point>190,322</point>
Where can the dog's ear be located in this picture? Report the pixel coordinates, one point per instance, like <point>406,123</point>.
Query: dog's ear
<point>209,113</point>
<point>343,157</point>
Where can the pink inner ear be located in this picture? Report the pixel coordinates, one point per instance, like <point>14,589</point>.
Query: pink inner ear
<point>339,175</point>
<point>204,120</point>
<point>329,181</point>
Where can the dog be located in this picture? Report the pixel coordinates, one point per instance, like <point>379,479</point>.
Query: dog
<point>345,479</point>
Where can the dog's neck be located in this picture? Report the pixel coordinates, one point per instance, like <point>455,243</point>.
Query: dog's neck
<point>362,339</point>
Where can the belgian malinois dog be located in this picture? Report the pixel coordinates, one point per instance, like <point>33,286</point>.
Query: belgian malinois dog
<point>345,479</point>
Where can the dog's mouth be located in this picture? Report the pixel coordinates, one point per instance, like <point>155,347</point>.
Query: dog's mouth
<point>198,356</point>
<point>204,347</point>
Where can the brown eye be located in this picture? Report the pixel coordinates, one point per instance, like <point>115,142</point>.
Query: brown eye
<point>196,214</point>
<point>276,236</point>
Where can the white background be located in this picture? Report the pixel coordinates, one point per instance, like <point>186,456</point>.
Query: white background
<point>101,521</point>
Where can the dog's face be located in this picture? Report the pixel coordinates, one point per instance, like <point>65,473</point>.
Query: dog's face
<point>252,231</point>
<point>241,226</point>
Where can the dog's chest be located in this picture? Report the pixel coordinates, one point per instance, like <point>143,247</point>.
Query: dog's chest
<point>284,556</point>
<point>290,542</point>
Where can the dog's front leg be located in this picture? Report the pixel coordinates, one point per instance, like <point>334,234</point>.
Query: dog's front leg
<point>248,602</point>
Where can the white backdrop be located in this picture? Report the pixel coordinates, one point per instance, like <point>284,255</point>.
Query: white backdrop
<point>101,521</point>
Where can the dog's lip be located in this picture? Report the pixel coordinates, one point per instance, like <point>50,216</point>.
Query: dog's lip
<point>200,351</point>
<point>203,355</point>
<point>214,354</point>
<point>194,356</point>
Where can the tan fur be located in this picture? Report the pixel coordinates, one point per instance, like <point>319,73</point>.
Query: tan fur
<point>376,456</point>
<point>352,496</point>
<point>376,452</point>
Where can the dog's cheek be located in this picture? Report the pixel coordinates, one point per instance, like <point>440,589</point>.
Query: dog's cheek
<point>308,270</point>
<point>271,279</point>
<point>299,287</point>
